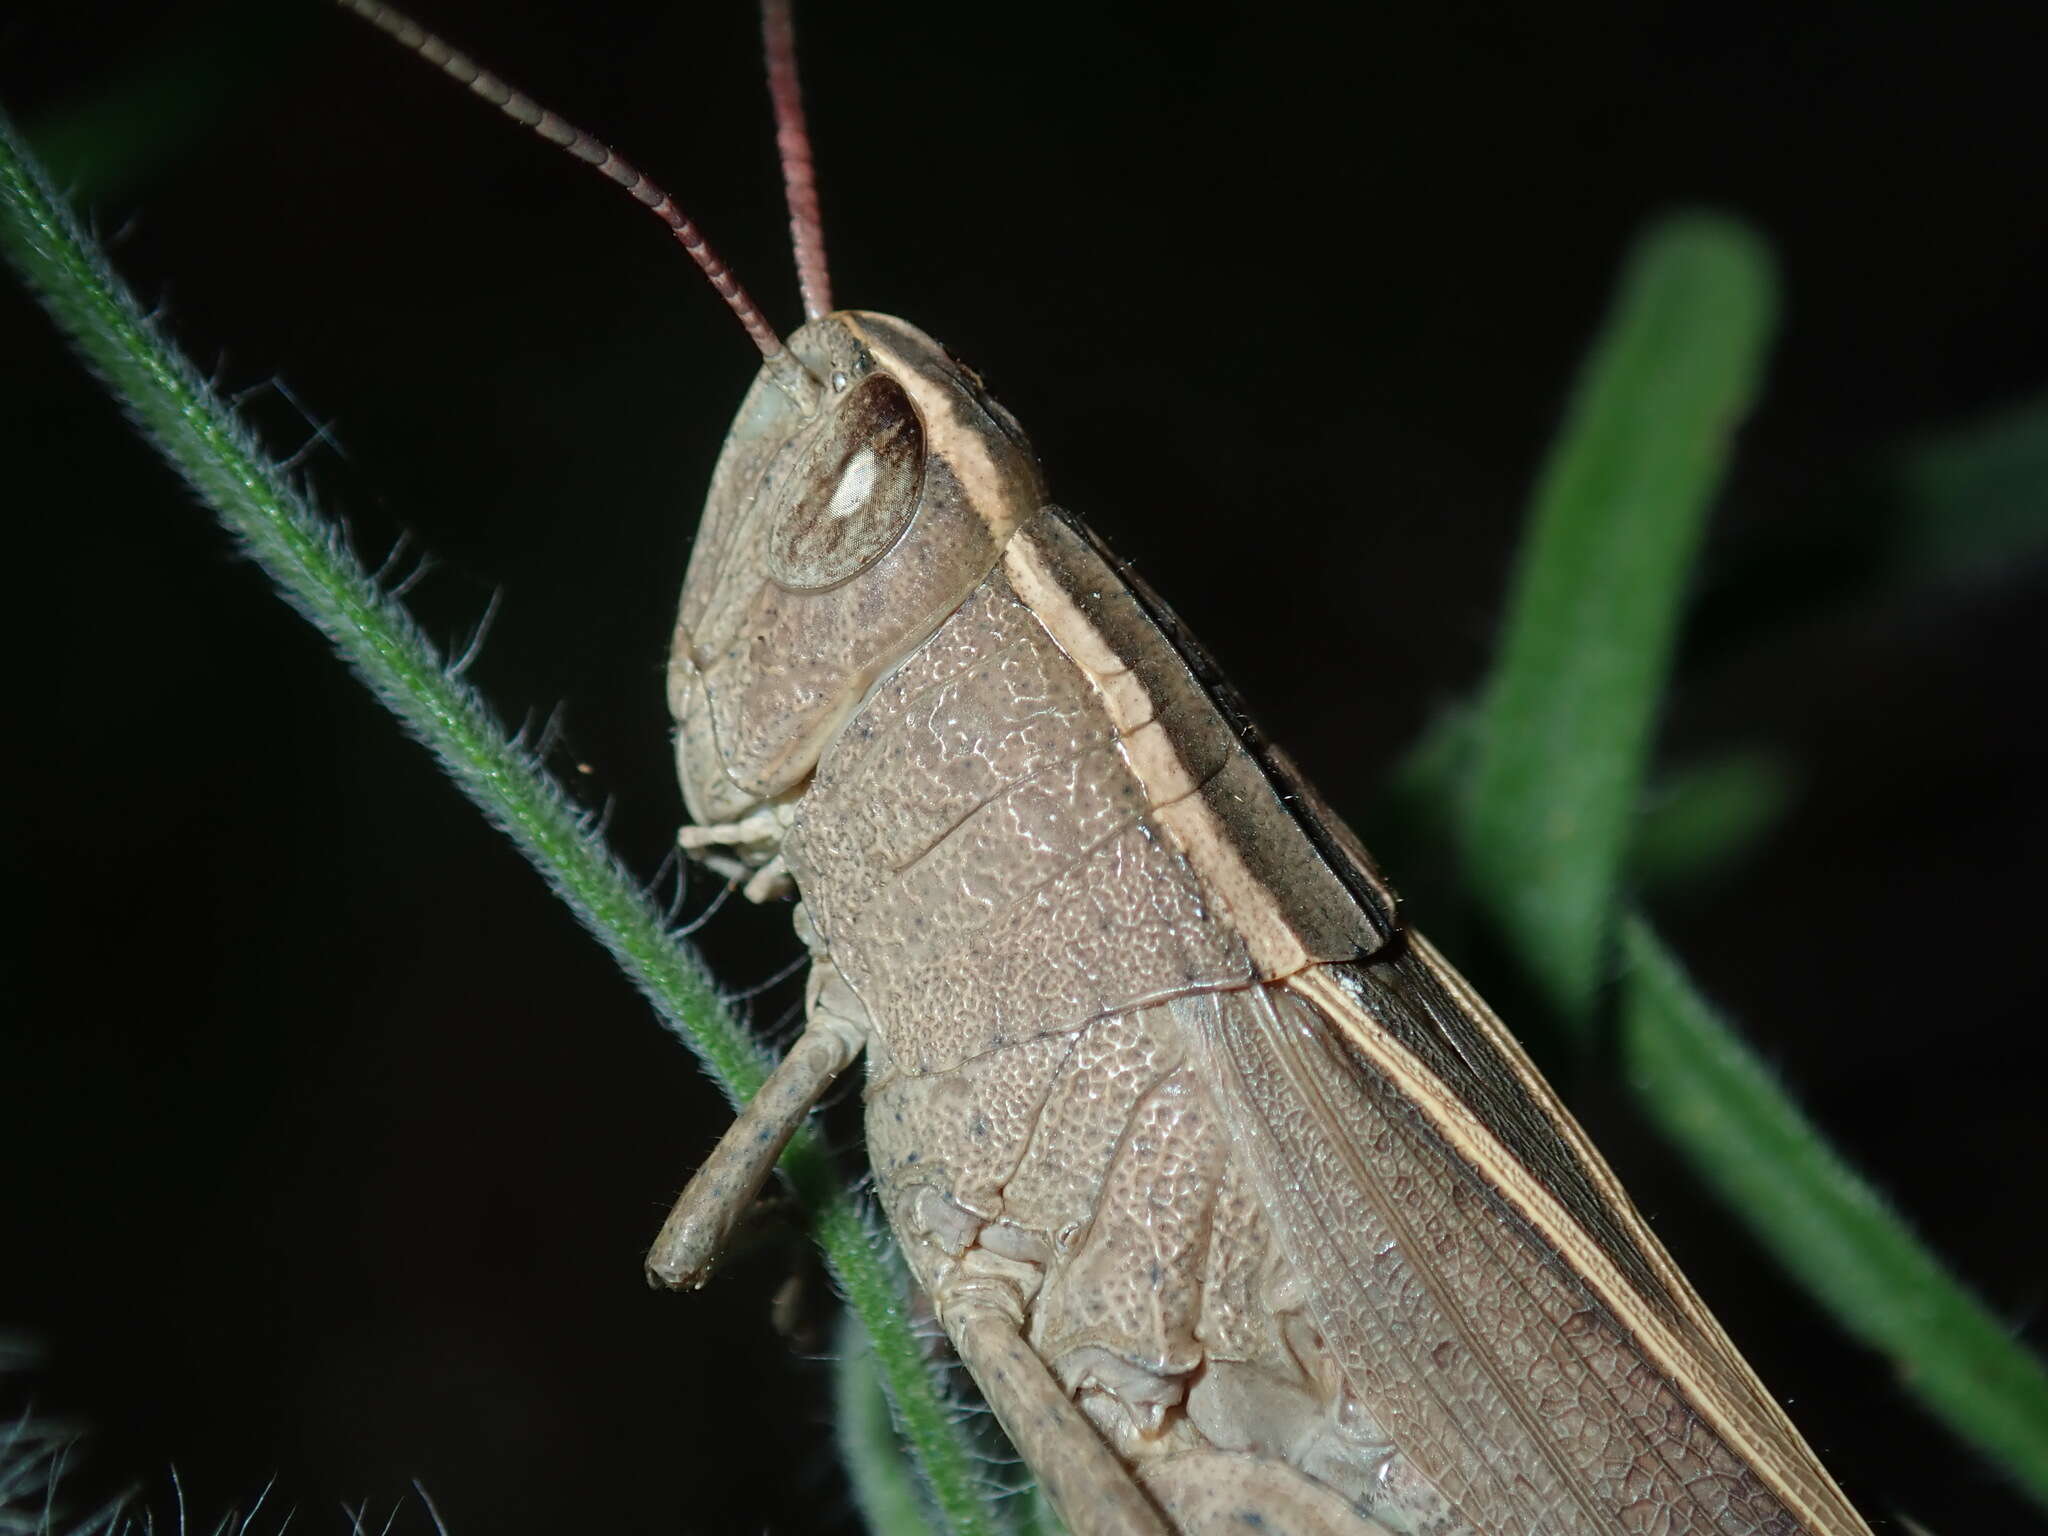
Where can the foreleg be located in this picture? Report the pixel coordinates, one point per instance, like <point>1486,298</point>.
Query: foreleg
<point>713,1202</point>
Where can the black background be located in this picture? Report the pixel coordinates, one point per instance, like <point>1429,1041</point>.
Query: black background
<point>330,1144</point>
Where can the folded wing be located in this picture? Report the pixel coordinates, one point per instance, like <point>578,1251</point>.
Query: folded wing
<point>1499,1312</point>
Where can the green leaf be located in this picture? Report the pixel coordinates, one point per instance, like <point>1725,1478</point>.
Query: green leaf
<point>1973,499</point>
<point>315,572</point>
<point>148,113</point>
<point>1697,821</point>
<point>1705,817</point>
<point>1566,719</point>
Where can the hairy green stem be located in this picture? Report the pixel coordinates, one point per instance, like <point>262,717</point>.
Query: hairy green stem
<point>1711,1096</point>
<point>316,573</point>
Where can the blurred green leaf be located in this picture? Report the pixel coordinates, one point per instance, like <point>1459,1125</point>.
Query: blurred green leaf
<point>884,1485</point>
<point>1565,720</point>
<point>1697,822</point>
<point>1705,817</point>
<point>1973,499</point>
<point>1414,817</point>
<point>153,109</point>
<point>1965,503</point>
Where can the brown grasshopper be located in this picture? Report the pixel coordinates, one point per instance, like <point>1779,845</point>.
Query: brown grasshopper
<point>1242,1209</point>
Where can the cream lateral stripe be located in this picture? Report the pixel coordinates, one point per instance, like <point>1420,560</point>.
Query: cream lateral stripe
<point>1816,1487</point>
<point>962,444</point>
<point>1699,1373</point>
<point>1677,1290</point>
<point>1275,949</point>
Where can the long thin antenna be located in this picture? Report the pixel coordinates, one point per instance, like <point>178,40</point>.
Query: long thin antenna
<point>793,140</point>
<point>593,152</point>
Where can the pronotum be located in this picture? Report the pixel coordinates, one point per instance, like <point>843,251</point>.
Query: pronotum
<point>1128,516</point>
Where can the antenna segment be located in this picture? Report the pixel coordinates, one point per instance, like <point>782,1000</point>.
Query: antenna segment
<point>793,141</point>
<point>593,152</point>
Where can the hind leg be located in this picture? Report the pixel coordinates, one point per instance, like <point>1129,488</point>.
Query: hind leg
<point>1090,1487</point>
<point>1223,1493</point>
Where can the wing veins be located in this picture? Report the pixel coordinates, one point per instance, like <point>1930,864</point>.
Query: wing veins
<point>1453,1313</point>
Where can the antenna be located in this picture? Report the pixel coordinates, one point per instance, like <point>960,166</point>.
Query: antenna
<point>793,141</point>
<point>566,135</point>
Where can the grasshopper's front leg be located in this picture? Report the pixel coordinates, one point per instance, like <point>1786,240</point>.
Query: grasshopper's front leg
<point>746,852</point>
<point>711,1205</point>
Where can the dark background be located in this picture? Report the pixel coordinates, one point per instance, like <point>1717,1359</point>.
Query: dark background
<point>331,1144</point>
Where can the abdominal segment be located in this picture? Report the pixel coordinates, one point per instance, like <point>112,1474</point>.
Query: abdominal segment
<point>1088,1176</point>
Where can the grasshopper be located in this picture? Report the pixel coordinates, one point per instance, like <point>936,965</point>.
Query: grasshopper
<point>1241,1207</point>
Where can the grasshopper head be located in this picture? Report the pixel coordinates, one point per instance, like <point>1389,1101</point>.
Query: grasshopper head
<point>838,534</point>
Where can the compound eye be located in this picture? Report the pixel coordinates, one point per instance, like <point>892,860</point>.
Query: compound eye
<point>855,491</point>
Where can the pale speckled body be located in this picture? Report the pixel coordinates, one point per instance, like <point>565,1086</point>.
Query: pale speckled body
<point>1176,1123</point>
